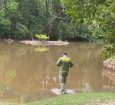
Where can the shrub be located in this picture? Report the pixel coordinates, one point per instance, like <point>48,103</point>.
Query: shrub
<point>42,37</point>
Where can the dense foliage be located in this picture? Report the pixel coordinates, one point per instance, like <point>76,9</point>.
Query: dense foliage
<point>94,18</point>
<point>60,19</point>
<point>21,19</point>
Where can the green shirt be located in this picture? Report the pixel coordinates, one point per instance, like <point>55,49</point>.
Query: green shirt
<point>64,63</point>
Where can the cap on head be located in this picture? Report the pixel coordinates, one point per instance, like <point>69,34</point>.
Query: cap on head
<point>64,53</point>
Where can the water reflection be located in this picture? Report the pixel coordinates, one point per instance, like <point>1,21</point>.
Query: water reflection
<point>27,75</point>
<point>109,75</point>
<point>41,49</point>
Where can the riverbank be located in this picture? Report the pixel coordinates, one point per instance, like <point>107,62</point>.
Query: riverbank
<point>110,63</point>
<point>79,99</point>
<point>93,98</point>
<point>35,42</point>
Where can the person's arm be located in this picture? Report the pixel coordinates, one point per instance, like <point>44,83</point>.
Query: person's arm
<point>58,62</point>
<point>71,64</point>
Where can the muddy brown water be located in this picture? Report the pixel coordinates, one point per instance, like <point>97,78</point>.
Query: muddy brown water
<point>27,75</point>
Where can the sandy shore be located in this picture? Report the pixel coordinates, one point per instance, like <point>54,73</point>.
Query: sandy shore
<point>34,42</point>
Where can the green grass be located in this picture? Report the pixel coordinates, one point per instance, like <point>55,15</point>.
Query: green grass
<point>73,99</point>
<point>76,99</point>
<point>113,57</point>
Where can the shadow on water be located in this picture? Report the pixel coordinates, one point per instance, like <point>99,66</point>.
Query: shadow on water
<point>27,75</point>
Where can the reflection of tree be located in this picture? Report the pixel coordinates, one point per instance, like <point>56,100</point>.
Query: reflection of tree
<point>41,49</point>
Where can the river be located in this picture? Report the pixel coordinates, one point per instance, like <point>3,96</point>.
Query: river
<point>28,75</point>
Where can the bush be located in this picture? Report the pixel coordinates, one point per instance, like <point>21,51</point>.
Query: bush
<point>108,50</point>
<point>42,37</point>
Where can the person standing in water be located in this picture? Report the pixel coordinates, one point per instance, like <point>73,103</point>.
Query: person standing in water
<point>64,64</point>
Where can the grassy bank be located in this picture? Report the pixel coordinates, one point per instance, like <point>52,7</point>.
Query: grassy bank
<point>77,99</point>
<point>113,57</point>
<point>73,99</point>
